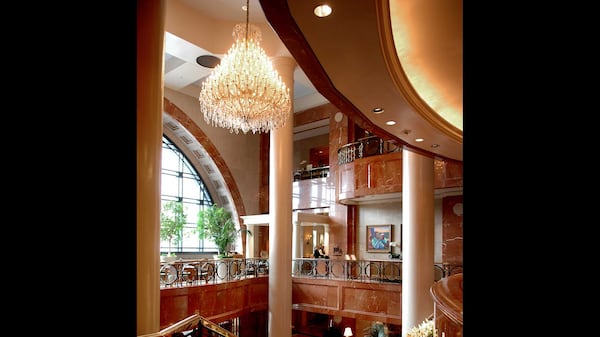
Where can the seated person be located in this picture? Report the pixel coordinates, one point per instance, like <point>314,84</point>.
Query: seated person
<point>320,252</point>
<point>317,253</point>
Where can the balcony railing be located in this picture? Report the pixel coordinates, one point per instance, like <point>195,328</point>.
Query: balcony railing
<point>364,147</point>
<point>362,270</point>
<point>316,172</point>
<point>183,273</point>
<point>203,271</point>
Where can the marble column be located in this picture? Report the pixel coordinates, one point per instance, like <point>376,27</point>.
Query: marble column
<point>280,209</point>
<point>150,53</point>
<point>417,238</point>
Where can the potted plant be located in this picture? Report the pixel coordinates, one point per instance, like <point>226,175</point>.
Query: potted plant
<point>216,223</point>
<point>377,329</point>
<point>425,329</point>
<point>172,219</point>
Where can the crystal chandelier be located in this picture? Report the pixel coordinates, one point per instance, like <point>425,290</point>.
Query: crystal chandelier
<point>244,92</point>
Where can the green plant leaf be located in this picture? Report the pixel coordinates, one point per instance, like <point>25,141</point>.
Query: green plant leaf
<point>172,219</point>
<point>216,223</point>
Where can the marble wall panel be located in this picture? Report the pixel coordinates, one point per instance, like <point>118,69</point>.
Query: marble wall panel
<point>216,302</point>
<point>375,301</point>
<point>390,179</point>
<point>452,233</point>
<point>172,309</point>
<point>382,174</point>
<point>372,301</point>
<point>370,176</point>
<point>448,173</point>
<point>346,184</point>
<point>258,295</point>
<point>314,294</point>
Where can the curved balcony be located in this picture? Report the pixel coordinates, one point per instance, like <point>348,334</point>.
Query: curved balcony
<point>365,147</point>
<point>370,170</point>
<point>448,305</point>
<point>224,289</point>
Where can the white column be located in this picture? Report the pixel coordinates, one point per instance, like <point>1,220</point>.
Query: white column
<point>280,208</point>
<point>150,30</point>
<point>250,241</point>
<point>297,241</point>
<point>417,238</point>
<point>326,229</point>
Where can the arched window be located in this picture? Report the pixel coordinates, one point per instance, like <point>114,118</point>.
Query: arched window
<point>181,182</point>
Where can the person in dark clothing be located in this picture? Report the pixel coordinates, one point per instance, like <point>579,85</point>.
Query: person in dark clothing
<point>320,252</point>
<point>317,253</point>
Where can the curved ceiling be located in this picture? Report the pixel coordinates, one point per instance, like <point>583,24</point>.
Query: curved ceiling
<point>380,54</point>
<point>403,56</point>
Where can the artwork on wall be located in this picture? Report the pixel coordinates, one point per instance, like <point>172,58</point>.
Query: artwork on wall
<point>378,238</point>
<point>337,251</point>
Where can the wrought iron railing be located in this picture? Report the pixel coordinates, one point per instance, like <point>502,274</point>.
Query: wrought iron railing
<point>362,270</point>
<point>364,147</point>
<point>183,273</point>
<point>203,271</point>
<point>316,172</point>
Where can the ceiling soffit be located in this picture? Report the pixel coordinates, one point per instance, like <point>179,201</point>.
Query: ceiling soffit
<point>356,74</point>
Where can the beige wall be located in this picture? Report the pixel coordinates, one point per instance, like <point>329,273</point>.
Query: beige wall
<point>382,213</point>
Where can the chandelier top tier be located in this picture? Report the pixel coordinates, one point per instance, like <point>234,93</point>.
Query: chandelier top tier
<point>245,92</point>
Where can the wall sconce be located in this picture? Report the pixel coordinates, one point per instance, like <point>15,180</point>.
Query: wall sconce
<point>347,332</point>
<point>307,238</point>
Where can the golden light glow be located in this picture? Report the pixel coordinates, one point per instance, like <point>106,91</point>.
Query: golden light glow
<point>245,92</point>
<point>322,10</point>
<point>438,80</point>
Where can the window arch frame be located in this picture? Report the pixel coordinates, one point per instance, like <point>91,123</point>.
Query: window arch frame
<point>176,168</point>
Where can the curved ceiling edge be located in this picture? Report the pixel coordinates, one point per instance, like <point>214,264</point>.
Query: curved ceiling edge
<point>279,16</point>
<point>400,79</point>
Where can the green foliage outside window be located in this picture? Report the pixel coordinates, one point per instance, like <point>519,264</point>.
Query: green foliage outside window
<point>217,223</point>
<point>172,219</point>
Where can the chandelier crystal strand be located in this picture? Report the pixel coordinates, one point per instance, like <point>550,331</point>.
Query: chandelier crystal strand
<point>245,92</point>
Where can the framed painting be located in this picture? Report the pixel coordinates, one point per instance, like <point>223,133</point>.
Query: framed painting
<point>378,238</point>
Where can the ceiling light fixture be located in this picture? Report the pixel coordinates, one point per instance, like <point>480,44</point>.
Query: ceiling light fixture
<point>245,92</point>
<point>377,110</point>
<point>390,122</point>
<point>208,61</point>
<point>322,11</point>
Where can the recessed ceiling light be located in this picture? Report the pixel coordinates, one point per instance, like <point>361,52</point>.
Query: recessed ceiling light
<point>390,122</point>
<point>378,110</point>
<point>322,11</point>
<point>418,140</point>
<point>435,145</point>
